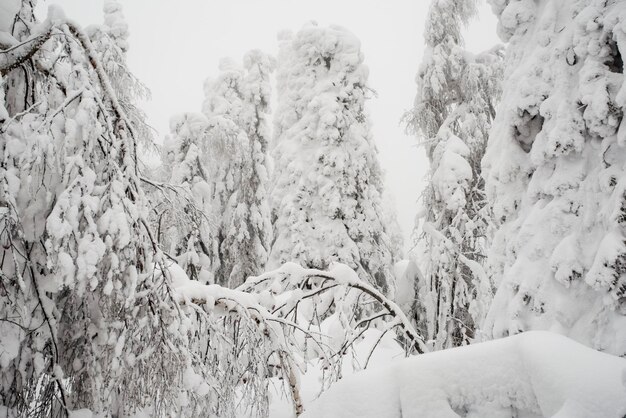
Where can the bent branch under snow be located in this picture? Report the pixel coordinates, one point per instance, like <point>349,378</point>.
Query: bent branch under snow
<point>340,275</point>
<point>18,54</point>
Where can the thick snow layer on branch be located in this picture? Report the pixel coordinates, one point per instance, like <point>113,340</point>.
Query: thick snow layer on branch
<point>453,172</point>
<point>197,292</point>
<point>534,374</point>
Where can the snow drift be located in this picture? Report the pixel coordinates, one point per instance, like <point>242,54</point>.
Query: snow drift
<point>533,374</point>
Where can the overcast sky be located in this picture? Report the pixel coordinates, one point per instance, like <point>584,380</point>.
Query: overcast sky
<point>176,45</point>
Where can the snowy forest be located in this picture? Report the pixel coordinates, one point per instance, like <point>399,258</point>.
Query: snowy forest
<point>250,263</point>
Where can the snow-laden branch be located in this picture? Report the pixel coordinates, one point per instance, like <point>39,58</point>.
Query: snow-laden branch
<point>292,276</point>
<point>288,307</point>
<point>249,295</point>
<point>220,302</point>
<point>476,269</point>
<point>17,54</point>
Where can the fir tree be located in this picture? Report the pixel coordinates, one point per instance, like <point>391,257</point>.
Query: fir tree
<point>555,173</point>
<point>237,104</point>
<point>184,222</point>
<point>326,201</point>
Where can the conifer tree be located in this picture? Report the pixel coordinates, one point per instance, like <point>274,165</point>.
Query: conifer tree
<point>248,230</point>
<point>326,201</point>
<point>220,162</point>
<point>183,211</point>
<point>555,172</point>
<point>237,106</point>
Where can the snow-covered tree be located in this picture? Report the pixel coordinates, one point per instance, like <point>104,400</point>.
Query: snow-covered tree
<point>390,220</point>
<point>110,42</point>
<point>555,172</point>
<point>326,200</point>
<point>203,161</point>
<point>217,162</point>
<point>248,231</point>
<point>452,114</point>
<point>182,202</point>
<point>82,313</point>
<point>115,23</point>
<point>237,106</point>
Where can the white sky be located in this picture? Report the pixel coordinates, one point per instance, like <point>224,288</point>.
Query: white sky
<point>176,45</point>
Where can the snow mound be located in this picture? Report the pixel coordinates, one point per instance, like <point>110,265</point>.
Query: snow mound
<point>533,374</point>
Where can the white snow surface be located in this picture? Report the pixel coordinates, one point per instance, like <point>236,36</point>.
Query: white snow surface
<point>387,353</point>
<point>533,374</point>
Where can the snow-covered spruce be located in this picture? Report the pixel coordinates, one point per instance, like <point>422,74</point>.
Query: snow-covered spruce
<point>555,173</point>
<point>326,200</point>
<point>241,96</point>
<point>452,115</point>
<point>182,203</point>
<point>534,375</point>
<point>217,163</point>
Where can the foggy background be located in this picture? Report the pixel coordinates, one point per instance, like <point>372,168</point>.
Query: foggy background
<point>176,45</point>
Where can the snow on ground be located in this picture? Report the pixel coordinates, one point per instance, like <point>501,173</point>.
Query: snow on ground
<point>387,352</point>
<point>533,374</point>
